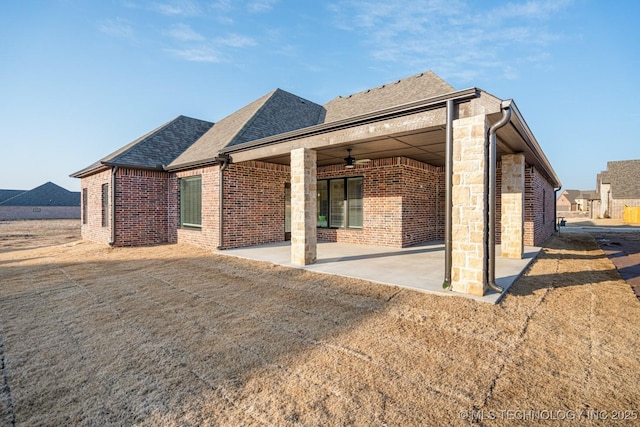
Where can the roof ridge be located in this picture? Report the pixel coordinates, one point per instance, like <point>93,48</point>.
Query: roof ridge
<point>404,79</point>
<point>246,126</point>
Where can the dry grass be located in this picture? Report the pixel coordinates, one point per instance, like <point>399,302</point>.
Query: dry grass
<point>173,335</point>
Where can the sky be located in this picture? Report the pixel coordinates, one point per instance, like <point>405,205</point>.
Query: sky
<point>81,78</point>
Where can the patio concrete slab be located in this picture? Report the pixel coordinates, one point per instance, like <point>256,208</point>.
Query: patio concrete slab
<point>420,268</point>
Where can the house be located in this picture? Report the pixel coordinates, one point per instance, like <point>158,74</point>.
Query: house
<point>567,201</point>
<point>408,162</point>
<point>617,187</point>
<point>585,201</point>
<point>47,201</point>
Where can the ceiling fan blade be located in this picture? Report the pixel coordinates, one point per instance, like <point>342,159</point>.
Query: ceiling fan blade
<point>363,160</point>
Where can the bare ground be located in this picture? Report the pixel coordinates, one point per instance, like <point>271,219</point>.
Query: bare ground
<point>175,335</point>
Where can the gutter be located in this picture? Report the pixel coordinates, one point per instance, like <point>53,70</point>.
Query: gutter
<point>490,199</point>
<point>223,166</point>
<point>113,206</point>
<point>448,188</point>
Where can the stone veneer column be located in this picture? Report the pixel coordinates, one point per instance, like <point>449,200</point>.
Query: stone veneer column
<point>512,236</point>
<point>303,206</point>
<point>468,252</point>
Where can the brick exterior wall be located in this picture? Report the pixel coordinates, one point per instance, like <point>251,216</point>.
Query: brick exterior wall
<point>539,201</point>
<point>12,213</point>
<point>208,236</point>
<point>141,207</point>
<point>93,229</point>
<point>254,203</point>
<point>403,203</point>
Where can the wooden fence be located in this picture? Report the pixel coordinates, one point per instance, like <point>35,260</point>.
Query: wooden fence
<point>632,215</point>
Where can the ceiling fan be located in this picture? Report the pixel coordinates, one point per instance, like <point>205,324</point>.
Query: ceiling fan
<point>350,161</point>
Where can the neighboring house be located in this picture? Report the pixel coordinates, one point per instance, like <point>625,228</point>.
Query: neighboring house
<point>48,201</point>
<point>396,165</point>
<point>618,187</point>
<point>585,201</point>
<point>567,201</point>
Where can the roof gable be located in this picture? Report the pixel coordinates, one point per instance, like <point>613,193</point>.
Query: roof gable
<point>48,194</point>
<point>274,113</point>
<point>160,146</point>
<point>414,88</point>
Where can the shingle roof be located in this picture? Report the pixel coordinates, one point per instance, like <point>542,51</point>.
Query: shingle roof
<point>624,177</point>
<point>7,194</point>
<point>571,195</point>
<point>589,195</point>
<point>414,88</point>
<point>48,194</point>
<point>161,146</point>
<point>274,113</point>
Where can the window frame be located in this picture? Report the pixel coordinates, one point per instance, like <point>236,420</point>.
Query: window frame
<point>85,204</point>
<point>105,205</point>
<point>346,220</point>
<point>184,186</point>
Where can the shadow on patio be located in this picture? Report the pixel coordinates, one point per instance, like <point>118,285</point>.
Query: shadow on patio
<point>418,267</point>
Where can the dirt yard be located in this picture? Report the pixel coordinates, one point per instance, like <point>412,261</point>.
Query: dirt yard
<point>174,335</point>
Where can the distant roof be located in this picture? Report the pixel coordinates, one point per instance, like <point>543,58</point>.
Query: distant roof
<point>624,176</point>
<point>589,195</point>
<point>571,195</point>
<point>7,194</point>
<point>276,112</point>
<point>414,88</point>
<point>48,194</point>
<point>157,148</point>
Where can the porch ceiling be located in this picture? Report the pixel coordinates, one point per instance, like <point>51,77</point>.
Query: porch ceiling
<point>426,145</point>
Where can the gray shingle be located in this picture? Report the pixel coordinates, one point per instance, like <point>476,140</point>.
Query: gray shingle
<point>274,113</point>
<point>48,194</point>
<point>414,88</point>
<point>162,145</point>
<point>7,194</point>
<point>624,177</point>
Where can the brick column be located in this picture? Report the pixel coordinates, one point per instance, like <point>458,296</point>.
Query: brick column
<point>468,212</point>
<point>303,206</point>
<point>512,219</point>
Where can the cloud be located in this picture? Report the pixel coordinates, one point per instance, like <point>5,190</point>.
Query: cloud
<point>119,28</point>
<point>177,8</point>
<point>184,32</point>
<point>199,54</point>
<point>261,6</point>
<point>235,40</point>
<point>457,38</point>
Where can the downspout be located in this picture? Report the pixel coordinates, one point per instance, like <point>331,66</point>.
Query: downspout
<point>555,209</point>
<point>113,206</point>
<point>448,187</point>
<point>490,199</point>
<point>223,167</point>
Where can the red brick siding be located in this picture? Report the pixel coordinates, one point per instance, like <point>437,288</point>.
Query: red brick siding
<point>422,202</point>
<point>254,203</point>
<point>539,219</point>
<point>207,236</point>
<point>141,207</point>
<point>403,203</point>
<point>93,229</point>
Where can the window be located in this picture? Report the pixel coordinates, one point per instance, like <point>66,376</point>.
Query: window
<point>191,202</point>
<point>105,205</point>
<point>340,203</point>
<point>84,205</point>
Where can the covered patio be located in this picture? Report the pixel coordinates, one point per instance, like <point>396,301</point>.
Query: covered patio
<point>420,268</point>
